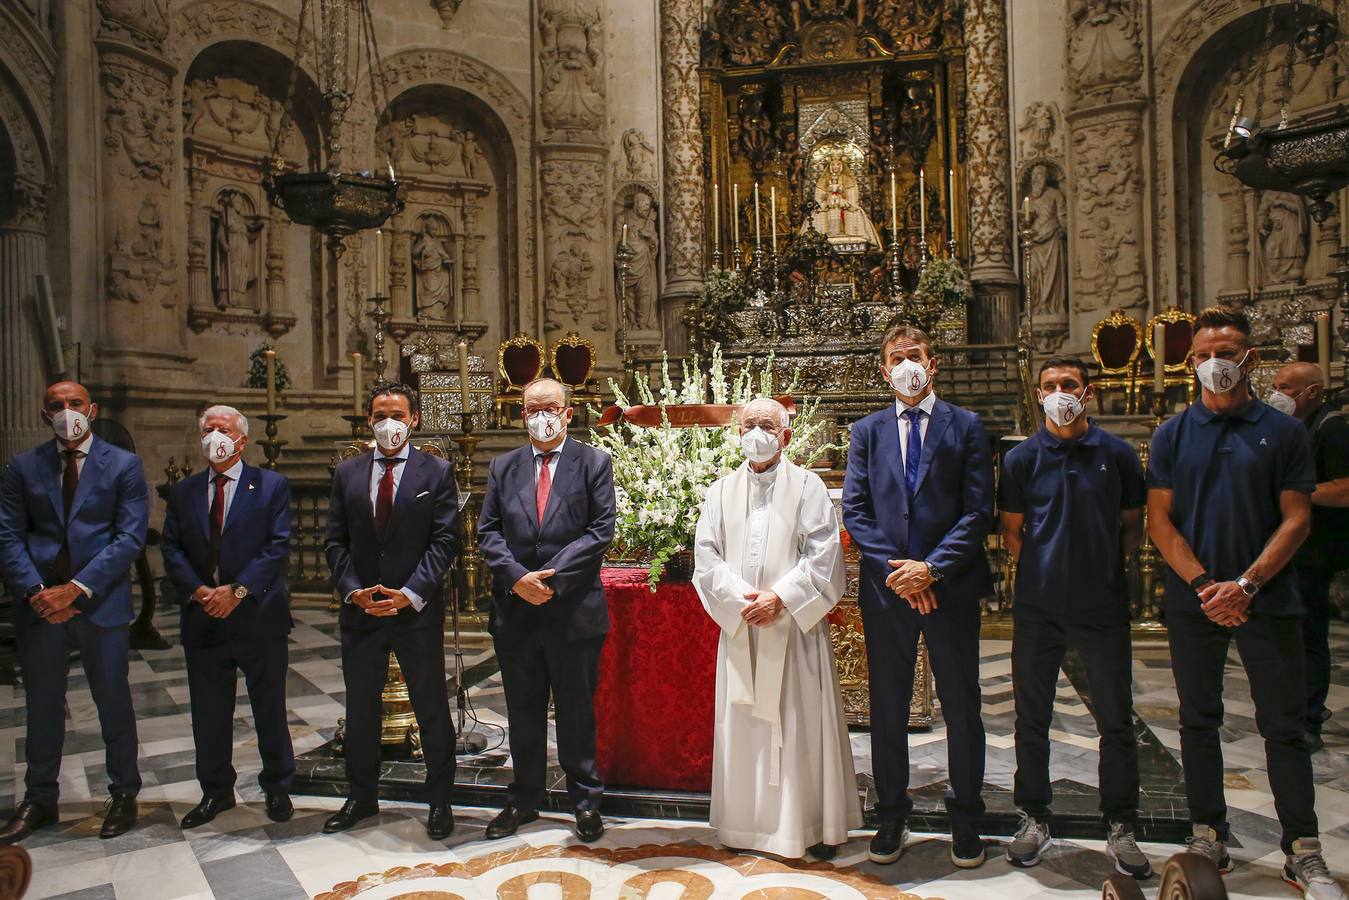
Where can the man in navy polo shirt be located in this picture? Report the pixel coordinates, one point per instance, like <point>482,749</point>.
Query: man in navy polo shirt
<point>1071,506</point>
<point>1229,487</point>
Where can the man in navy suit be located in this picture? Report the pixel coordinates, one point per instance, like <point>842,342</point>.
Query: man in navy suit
<point>226,542</point>
<point>393,532</point>
<point>547,521</point>
<point>918,502</point>
<point>73,514</point>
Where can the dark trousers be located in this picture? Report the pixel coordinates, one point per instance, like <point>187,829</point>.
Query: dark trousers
<point>1271,652</point>
<point>212,683</point>
<point>1038,648</point>
<point>1314,586</point>
<point>365,668</point>
<point>44,653</point>
<point>530,669</point>
<point>952,635</point>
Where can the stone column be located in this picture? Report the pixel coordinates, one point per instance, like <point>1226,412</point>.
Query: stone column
<point>400,260</point>
<point>274,310</point>
<point>993,314</point>
<point>682,138</point>
<point>1236,274</point>
<point>23,368</point>
<point>470,303</point>
<point>198,243</point>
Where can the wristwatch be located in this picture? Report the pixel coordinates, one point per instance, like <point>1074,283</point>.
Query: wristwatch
<point>1200,580</point>
<point>34,591</point>
<point>1249,587</point>
<point>932,572</point>
<point>240,592</point>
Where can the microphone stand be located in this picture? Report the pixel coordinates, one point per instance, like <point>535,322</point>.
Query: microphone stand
<point>465,743</point>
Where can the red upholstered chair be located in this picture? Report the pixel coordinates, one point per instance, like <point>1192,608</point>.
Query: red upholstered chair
<point>573,362</point>
<point>1178,336</point>
<point>519,361</point>
<point>1115,343</point>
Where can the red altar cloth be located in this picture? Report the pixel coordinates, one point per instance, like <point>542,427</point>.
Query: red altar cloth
<point>657,690</point>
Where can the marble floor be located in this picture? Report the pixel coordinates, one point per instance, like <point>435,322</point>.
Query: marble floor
<point>244,855</point>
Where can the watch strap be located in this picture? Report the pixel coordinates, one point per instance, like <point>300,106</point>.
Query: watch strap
<point>1200,580</point>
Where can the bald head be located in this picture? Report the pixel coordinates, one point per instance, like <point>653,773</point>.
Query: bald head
<point>1304,384</point>
<point>1300,374</point>
<point>73,396</point>
<point>765,413</point>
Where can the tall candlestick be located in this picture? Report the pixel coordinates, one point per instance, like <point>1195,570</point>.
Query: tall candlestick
<point>894,209</point>
<point>1159,358</point>
<point>1323,345</point>
<point>735,223</point>
<point>922,207</point>
<point>716,216</point>
<point>463,376</point>
<point>271,382</point>
<point>773,216</point>
<point>756,215</point>
<point>357,401</point>
<point>950,204</point>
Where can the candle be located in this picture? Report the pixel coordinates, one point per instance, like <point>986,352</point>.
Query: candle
<point>377,270</point>
<point>950,204</point>
<point>392,177</point>
<point>357,401</point>
<point>894,209</point>
<point>716,216</point>
<point>1025,211</point>
<point>463,375</point>
<point>271,382</point>
<point>625,234</point>
<point>922,207</point>
<point>756,215</point>
<point>773,216</point>
<point>1159,358</point>
<point>1323,345</point>
<point>735,222</point>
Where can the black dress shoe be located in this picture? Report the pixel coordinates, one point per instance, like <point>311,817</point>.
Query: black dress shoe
<point>351,812</point>
<point>29,817</point>
<point>508,821</point>
<point>888,844</point>
<point>440,823</point>
<point>589,825</point>
<point>120,818</point>
<point>823,851</point>
<point>279,807</point>
<point>967,848</point>
<point>207,809</point>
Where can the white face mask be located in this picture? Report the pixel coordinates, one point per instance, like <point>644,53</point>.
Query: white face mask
<point>1220,375</point>
<point>1282,402</point>
<point>1062,408</point>
<point>70,425</point>
<point>390,434</point>
<point>545,426</point>
<point>909,378</point>
<point>217,446</point>
<point>759,446</point>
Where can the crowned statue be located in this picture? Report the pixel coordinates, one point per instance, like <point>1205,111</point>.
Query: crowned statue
<point>839,215</point>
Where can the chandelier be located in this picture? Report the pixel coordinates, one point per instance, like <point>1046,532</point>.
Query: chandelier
<point>336,201</point>
<point>1309,158</point>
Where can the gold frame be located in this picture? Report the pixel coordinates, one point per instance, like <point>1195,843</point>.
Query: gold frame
<point>1123,376</point>
<point>520,340</point>
<point>1169,316</point>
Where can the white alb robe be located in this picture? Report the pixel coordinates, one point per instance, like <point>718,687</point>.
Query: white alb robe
<point>782,767</point>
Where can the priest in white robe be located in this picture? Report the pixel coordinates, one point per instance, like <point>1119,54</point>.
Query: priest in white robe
<point>768,565</point>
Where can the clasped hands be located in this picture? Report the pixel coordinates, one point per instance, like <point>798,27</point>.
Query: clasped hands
<point>57,604</point>
<point>912,580</point>
<point>763,607</point>
<point>1225,603</point>
<point>532,587</point>
<point>394,600</point>
<point>218,602</point>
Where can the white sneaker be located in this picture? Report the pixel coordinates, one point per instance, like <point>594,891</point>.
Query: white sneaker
<point>1305,869</point>
<point>1204,841</point>
<point>1122,845</point>
<point>1030,840</point>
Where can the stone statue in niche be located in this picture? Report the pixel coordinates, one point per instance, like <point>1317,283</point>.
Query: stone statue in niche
<point>474,166</point>
<point>233,246</point>
<point>1282,222</point>
<point>838,198</point>
<point>1048,235</point>
<point>569,278</point>
<point>572,95</point>
<point>639,287</point>
<point>639,155</point>
<point>433,267</point>
<point>1038,130</point>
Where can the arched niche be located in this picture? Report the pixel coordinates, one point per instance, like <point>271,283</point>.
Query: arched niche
<point>451,264</point>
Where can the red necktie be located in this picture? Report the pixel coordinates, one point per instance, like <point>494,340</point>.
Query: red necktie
<point>384,500</point>
<point>70,480</point>
<point>217,520</point>
<point>544,486</point>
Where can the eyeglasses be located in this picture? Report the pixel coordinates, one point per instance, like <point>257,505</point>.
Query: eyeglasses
<point>552,408</point>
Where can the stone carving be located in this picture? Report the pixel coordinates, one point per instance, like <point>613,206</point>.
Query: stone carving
<point>234,249</point>
<point>573,226</point>
<point>914,24</point>
<point>1108,196</point>
<point>639,157</point>
<point>987,142</point>
<point>136,114</point>
<point>1105,50</point>
<point>1039,131</point>
<point>681,131</point>
<point>446,10</point>
<point>231,111</point>
<point>138,22</point>
<point>139,266</point>
<point>572,97</point>
<point>569,277</point>
<point>569,195</point>
<point>1048,232</point>
<point>641,219</point>
<point>746,31</point>
<point>1282,222</point>
<point>32,58</point>
<point>429,142</point>
<point>434,267</point>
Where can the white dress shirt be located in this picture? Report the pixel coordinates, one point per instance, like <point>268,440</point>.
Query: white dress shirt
<point>552,463</point>
<point>376,474</point>
<point>82,450</point>
<point>926,406</point>
<point>233,473</point>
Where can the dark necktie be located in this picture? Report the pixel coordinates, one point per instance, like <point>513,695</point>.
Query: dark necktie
<point>914,454</point>
<point>70,481</point>
<point>384,499</point>
<point>217,520</point>
<point>544,486</point>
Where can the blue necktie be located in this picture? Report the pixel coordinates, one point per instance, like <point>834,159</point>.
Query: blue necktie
<point>914,454</point>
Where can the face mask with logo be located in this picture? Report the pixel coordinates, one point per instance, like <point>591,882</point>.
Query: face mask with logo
<point>1282,402</point>
<point>909,378</point>
<point>544,426</point>
<point>1062,408</point>
<point>1220,375</point>
<point>759,446</point>
<point>217,446</point>
<point>70,425</point>
<point>390,434</point>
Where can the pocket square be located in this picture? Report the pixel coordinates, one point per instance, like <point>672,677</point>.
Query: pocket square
<point>421,495</point>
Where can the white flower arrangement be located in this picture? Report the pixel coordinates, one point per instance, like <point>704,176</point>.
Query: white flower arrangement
<point>661,474</point>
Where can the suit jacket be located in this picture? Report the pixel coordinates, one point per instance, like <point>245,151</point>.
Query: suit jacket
<point>417,549</point>
<point>952,510</point>
<point>254,551</point>
<point>106,529</point>
<point>577,529</point>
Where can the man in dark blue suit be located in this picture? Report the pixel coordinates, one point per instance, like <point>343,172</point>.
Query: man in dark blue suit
<point>73,515</point>
<point>226,542</point>
<point>918,503</point>
<point>393,532</point>
<point>547,521</point>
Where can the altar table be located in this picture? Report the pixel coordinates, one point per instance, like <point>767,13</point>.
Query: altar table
<point>654,707</point>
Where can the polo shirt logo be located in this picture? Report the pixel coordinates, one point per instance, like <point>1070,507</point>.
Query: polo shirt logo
<point>1102,467</point>
<point>1264,443</point>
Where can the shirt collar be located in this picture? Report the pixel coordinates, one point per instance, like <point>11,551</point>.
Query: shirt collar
<point>767,476</point>
<point>234,472</point>
<point>557,449</point>
<point>1091,438</point>
<point>403,453</point>
<point>926,405</point>
<point>81,449</point>
<point>1251,412</point>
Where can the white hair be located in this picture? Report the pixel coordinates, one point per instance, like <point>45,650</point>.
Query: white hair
<point>221,410</point>
<point>784,420</point>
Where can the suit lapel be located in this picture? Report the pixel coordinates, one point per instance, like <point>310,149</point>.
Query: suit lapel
<point>567,467</point>
<point>245,495</point>
<point>51,476</point>
<point>198,508</point>
<point>890,457</point>
<point>358,491</point>
<point>90,475</point>
<point>525,486</point>
<point>941,417</point>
